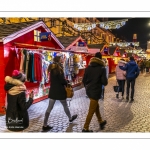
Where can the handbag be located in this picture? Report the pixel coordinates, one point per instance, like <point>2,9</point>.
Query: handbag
<point>69,91</point>
<point>116,87</point>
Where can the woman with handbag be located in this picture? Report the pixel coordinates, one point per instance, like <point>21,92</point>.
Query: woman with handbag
<point>57,91</point>
<point>120,77</point>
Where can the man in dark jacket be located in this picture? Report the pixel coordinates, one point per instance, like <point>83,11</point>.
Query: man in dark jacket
<point>132,72</point>
<point>17,118</point>
<point>94,78</point>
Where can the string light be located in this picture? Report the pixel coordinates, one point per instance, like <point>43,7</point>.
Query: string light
<point>124,44</point>
<point>84,26</point>
<point>116,24</point>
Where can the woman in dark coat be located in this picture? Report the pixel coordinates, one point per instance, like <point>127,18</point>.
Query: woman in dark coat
<point>57,91</point>
<point>17,118</point>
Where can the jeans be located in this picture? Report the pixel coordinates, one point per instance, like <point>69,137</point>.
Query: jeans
<point>121,84</point>
<point>50,107</point>
<point>132,83</point>
<point>93,108</point>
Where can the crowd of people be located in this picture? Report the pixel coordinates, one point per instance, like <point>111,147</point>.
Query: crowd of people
<point>94,80</point>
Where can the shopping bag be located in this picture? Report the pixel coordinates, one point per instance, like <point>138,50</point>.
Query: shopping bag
<point>116,87</point>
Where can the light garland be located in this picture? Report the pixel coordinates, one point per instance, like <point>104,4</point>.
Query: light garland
<point>85,26</point>
<point>116,24</point>
<point>124,44</point>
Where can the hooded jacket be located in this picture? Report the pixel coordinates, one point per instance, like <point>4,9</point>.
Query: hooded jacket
<point>132,70</point>
<point>17,118</point>
<point>120,74</point>
<point>57,82</point>
<point>94,77</point>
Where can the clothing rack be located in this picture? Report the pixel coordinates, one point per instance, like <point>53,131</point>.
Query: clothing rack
<point>22,45</point>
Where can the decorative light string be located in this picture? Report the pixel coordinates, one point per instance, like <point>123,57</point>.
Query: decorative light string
<point>116,24</point>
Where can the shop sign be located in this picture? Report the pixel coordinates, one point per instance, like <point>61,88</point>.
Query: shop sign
<point>106,49</point>
<point>79,49</point>
<point>81,44</point>
<point>45,36</point>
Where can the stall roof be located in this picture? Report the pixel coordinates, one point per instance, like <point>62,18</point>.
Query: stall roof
<point>8,29</point>
<point>129,54</point>
<point>122,51</point>
<point>112,49</point>
<point>67,40</point>
<point>12,31</point>
<point>98,46</point>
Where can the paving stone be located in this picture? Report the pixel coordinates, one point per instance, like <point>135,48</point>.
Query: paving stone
<point>121,116</point>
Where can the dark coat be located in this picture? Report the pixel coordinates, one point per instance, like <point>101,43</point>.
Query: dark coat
<point>94,78</point>
<point>17,118</point>
<point>57,83</point>
<point>132,70</point>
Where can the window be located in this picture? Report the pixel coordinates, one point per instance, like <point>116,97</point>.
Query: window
<point>37,35</point>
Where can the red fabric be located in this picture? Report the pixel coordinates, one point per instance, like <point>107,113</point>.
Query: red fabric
<point>37,67</point>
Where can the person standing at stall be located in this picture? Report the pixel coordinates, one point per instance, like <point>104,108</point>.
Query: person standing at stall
<point>57,91</point>
<point>93,79</point>
<point>17,118</point>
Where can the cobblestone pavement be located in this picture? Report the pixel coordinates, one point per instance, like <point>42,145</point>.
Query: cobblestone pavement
<point>121,116</point>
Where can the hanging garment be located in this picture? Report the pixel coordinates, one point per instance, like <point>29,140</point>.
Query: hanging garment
<point>30,66</point>
<point>27,62</point>
<point>22,60</point>
<point>38,67</point>
<point>25,58</point>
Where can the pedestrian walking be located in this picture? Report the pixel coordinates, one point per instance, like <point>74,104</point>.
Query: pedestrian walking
<point>57,91</point>
<point>120,77</point>
<point>93,79</point>
<point>17,118</point>
<point>147,65</point>
<point>132,72</point>
<point>107,74</point>
<point>142,66</point>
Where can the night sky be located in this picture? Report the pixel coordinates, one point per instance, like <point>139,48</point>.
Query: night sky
<point>138,26</point>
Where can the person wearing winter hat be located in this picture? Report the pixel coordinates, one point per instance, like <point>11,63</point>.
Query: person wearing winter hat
<point>93,79</point>
<point>17,118</point>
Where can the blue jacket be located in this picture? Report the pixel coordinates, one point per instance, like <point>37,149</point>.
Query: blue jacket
<point>132,70</point>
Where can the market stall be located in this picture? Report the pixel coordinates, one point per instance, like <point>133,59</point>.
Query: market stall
<point>28,47</point>
<point>107,53</point>
<point>76,61</point>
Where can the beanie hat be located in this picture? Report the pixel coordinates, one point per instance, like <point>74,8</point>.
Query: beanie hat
<point>18,75</point>
<point>98,55</point>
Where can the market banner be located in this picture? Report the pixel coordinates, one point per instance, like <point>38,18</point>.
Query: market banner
<point>81,44</point>
<point>45,36</point>
<point>79,49</point>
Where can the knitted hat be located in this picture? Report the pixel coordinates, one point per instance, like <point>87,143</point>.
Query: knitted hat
<point>18,75</point>
<point>98,55</point>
